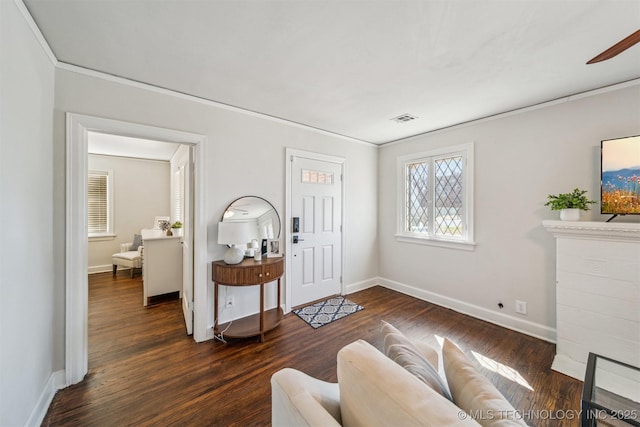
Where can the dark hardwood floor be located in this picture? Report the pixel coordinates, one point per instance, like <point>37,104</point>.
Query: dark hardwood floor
<point>145,371</point>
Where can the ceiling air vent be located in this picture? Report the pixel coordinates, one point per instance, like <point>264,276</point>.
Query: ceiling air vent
<point>403,118</point>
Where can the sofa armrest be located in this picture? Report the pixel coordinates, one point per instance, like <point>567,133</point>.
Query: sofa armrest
<point>125,247</point>
<point>300,400</point>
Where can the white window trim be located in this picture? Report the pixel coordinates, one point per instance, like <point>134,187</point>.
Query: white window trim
<point>110,233</point>
<point>467,241</point>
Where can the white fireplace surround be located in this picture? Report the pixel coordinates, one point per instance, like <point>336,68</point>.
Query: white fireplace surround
<point>597,293</point>
<point>611,231</point>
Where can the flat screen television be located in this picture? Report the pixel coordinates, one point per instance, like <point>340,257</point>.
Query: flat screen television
<point>620,176</point>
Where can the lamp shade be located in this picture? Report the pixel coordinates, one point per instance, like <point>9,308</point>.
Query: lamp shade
<point>233,233</point>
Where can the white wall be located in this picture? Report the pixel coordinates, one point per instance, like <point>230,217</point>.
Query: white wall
<point>30,305</point>
<point>519,160</point>
<point>141,192</point>
<point>245,156</point>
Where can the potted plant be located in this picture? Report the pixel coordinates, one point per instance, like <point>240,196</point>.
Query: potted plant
<point>569,204</point>
<point>176,227</point>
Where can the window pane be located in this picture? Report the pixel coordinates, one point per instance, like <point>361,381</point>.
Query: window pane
<point>317,177</point>
<point>448,196</point>
<point>418,197</point>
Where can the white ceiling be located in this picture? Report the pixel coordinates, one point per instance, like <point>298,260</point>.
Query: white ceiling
<point>349,66</point>
<point>124,146</point>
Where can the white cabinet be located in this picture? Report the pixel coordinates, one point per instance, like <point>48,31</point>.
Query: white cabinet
<point>161,264</point>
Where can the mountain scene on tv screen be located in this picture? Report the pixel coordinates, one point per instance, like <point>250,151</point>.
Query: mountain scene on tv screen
<point>621,191</point>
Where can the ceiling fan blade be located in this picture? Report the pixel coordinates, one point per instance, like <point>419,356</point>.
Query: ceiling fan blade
<point>617,48</point>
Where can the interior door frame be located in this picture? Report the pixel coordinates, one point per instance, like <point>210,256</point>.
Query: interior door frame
<point>290,155</point>
<point>76,259</point>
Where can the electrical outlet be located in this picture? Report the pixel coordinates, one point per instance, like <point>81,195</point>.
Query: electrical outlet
<point>230,301</point>
<point>521,307</point>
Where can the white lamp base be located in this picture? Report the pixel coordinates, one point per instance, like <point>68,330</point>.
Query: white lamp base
<point>233,255</point>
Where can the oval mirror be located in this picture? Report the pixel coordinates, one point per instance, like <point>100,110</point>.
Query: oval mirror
<point>263,219</point>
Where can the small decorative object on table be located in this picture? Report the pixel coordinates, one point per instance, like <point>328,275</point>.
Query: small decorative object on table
<point>273,248</point>
<point>166,227</point>
<point>569,204</point>
<point>176,228</point>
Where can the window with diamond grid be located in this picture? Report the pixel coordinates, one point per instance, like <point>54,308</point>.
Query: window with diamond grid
<point>437,190</point>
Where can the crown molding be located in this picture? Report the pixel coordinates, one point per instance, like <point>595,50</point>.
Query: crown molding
<point>185,96</point>
<point>36,31</point>
<point>568,98</point>
<point>158,89</point>
<point>146,86</point>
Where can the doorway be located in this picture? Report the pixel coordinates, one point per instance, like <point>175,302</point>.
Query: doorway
<point>315,200</point>
<point>139,180</point>
<point>78,126</point>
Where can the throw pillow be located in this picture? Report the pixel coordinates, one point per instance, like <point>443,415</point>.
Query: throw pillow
<point>473,392</point>
<point>137,241</point>
<point>401,350</point>
<point>374,391</point>
<point>391,336</point>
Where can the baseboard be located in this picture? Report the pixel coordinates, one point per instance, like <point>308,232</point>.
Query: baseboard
<point>568,366</point>
<point>56,381</point>
<point>103,268</point>
<point>361,286</point>
<point>519,325</point>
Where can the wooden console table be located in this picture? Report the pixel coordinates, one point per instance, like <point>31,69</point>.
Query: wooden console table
<point>248,273</point>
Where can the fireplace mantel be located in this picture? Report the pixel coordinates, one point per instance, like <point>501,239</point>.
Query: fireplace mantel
<point>611,231</point>
<point>597,293</point>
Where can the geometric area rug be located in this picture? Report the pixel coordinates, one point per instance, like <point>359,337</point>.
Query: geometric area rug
<point>325,312</point>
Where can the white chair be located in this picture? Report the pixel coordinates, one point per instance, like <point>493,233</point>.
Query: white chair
<point>127,258</point>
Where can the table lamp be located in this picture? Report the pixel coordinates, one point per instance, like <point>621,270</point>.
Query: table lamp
<point>232,234</point>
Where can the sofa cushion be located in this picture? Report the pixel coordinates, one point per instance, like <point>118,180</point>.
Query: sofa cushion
<point>374,390</point>
<point>129,256</point>
<point>401,350</point>
<point>473,392</point>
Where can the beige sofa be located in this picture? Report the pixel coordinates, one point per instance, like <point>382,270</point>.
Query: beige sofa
<point>375,390</point>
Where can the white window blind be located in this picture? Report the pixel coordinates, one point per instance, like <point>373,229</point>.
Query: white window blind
<point>178,193</point>
<point>98,203</point>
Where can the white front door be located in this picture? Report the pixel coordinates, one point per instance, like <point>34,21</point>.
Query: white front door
<point>316,240</point>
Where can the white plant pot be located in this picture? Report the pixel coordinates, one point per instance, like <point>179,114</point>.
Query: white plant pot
<point>570,214</point>
<point>177,231</point>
